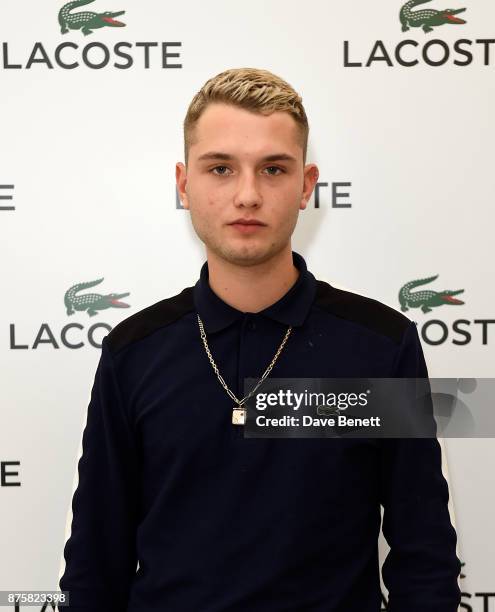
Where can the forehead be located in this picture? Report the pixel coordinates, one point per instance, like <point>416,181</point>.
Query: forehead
<point>230,128</point>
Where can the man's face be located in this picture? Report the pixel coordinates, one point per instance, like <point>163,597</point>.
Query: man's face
<point>245,165</point>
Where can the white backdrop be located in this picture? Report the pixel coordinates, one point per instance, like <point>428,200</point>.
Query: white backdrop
<point>88,157</point>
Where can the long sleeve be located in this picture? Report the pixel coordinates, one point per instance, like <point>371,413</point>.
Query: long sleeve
<point>421,570</point>
<point>100,554</point>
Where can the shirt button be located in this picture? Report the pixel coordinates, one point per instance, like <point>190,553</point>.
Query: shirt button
<point>252,326</point>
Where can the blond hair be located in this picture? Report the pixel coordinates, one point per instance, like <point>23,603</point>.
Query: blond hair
<point>253,89</point>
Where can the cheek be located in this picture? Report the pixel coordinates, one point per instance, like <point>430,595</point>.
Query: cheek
<point>203,201</point>
<point>285,200</point>
<point>287,190</point>
<point>207,209</point>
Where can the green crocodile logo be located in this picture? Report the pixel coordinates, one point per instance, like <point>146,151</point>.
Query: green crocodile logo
<point>91,302</point>
<point>86,21</point>
<point>427,18</point>
<point>426,299</point>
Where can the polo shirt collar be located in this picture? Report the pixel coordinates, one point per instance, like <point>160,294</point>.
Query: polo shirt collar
<point>291,309</point>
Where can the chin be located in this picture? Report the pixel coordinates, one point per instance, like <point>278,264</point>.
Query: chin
<point>248,254</point>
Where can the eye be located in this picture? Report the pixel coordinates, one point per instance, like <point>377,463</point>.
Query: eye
<point>217,168</point>
<point>274,168</point>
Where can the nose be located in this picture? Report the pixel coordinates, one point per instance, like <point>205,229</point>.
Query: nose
<point>247,190</point>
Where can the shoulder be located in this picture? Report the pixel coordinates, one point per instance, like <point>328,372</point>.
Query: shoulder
<point>149,319</point>
<point>367,312</point>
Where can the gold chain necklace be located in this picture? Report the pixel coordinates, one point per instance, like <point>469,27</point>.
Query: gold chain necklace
<point>239,411</point>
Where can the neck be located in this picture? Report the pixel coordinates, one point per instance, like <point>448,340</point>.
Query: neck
<point>252,288</point>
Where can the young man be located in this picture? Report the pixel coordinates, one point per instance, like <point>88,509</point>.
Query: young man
<point>220,522</point>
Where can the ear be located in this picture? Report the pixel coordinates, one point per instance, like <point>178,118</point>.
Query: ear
<point>311,174</point>
<point>181,182</point>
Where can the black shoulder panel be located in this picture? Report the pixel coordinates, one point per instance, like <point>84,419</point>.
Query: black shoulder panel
<point>149,319</point>
<point>373,314</point>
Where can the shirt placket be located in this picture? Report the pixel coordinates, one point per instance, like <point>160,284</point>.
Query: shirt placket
<point>249,348</point>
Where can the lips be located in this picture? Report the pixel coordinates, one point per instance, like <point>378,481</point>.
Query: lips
<point>247,227</point>
<point>246,222</point>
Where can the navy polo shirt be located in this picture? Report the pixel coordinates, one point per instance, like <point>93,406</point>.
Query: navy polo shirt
<point>213,521</point>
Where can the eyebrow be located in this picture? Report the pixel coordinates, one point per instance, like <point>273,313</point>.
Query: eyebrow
<point>228,157</point>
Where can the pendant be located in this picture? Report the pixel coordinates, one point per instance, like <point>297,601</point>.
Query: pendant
<point>239,416</point>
